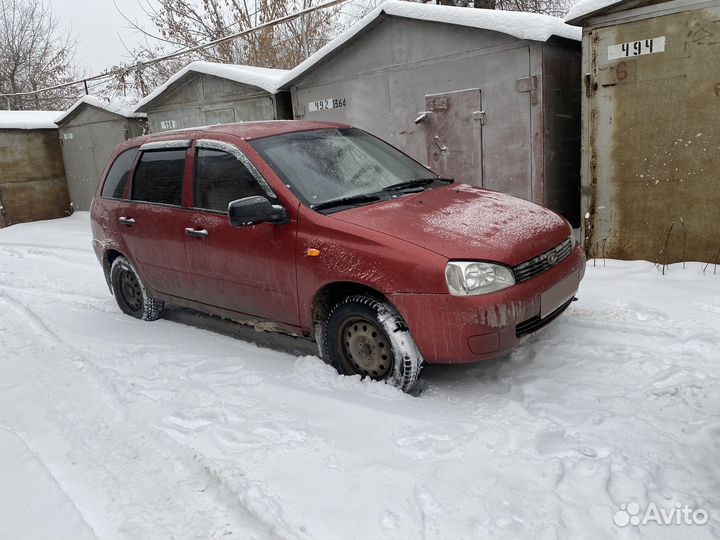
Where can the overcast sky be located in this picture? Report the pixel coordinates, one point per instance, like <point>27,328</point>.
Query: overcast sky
<point>100,29</point>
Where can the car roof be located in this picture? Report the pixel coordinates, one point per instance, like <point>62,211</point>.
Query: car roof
<point>243,130</point>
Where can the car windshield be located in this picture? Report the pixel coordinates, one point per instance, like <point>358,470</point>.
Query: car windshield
<point>326,165</point>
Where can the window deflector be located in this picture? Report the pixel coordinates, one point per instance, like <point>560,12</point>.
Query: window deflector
<point>166,145</point>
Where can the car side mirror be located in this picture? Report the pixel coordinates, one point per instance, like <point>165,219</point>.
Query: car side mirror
<point>255,210</point>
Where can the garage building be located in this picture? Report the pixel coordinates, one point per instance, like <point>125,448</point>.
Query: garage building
<point>89,131</point>
<point>651,129</point>
<point>32,177</point>
<point>206,93</point>
<point>491,98</point>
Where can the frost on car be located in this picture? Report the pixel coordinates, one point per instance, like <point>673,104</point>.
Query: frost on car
<point>324,231</point>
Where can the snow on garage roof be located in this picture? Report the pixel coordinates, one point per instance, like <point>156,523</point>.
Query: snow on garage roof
<point>531,26</point>
<point>584,8</point>
<point>519,24</point>
<point>264,78</point>
<point>120,107</point>
<point>28,119</point>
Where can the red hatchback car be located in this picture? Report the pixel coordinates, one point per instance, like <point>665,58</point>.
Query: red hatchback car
<point>322,230</point>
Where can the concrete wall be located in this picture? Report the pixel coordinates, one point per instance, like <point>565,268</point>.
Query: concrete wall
<point>651,136</point>
<point>32,176</point>
<point>383,78</point>
<point>199,100</point>
<point>88,138</point>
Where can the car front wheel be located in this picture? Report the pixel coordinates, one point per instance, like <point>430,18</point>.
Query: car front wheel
<point>368,337</point>
<point>130,294</point>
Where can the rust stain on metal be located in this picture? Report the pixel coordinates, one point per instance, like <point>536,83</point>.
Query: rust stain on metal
<point>661,156</point>
<point>589,221</point>
<point>621,71</point>
<point>32,176</point>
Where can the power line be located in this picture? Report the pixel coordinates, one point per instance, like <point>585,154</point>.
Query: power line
<point>181,52</point>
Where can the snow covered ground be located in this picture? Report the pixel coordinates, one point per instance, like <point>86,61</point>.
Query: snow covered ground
<point>116,428</point>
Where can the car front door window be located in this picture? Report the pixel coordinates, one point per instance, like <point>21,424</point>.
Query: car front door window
<point>221,178</point>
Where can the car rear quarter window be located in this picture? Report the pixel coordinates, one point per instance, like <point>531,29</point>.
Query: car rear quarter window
<point>158,177</point>
<point>118,175</point>
<point>221,178</point>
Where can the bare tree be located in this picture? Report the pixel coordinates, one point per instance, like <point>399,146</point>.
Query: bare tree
<point>178,24</point>
<point>34,54</point>
<point>188,23</point>
<point>557,8</point>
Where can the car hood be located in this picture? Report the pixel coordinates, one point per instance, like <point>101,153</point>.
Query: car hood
<point>464,222</point>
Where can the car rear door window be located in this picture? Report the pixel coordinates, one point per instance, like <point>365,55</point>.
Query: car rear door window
<point>158,177</point>
<point>221,178</point>
<point>118,175</point>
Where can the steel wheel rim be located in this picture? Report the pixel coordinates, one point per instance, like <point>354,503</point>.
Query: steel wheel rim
<point>365,349</point>
<point>131,291</point>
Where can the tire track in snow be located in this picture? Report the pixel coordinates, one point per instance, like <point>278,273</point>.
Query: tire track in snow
<point>71,259</point>
<point>634,329</point>
<point>79,299</point>
<point>30,463</point>
<point>47,247</point>
<point>110,441</point>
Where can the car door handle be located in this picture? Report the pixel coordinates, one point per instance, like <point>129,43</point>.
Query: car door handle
<point>126,221</point>
<point>198,233</point>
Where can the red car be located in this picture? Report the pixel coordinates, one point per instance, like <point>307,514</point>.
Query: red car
<point>322,230</point>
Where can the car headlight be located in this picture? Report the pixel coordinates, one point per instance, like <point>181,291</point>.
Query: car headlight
<point>473,278</point>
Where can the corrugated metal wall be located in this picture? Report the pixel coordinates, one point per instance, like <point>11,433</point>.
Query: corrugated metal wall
<point>32,176</point>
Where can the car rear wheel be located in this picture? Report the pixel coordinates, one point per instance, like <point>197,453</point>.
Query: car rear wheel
<point>368,337</point>
<point>130,294</point>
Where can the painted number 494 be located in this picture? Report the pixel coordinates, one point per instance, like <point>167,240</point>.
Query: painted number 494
<point>636,48</point>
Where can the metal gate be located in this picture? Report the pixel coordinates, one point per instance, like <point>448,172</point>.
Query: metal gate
<point>219,116</point>
<point>453,124</point>
<point>86,149</point>
<point>454,134</point>
<point>654,125</point>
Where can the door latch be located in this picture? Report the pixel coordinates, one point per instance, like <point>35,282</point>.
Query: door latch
<point>423,117</point>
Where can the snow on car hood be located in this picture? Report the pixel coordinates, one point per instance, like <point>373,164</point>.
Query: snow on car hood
<point>464,222</point>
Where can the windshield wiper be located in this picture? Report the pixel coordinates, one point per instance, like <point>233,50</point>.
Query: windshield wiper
<point>417,182</point>
<point>346,201</point>
<point>367,198</point>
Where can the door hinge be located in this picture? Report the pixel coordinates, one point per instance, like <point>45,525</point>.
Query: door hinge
<point>528,84</point>
<point>591,85</point>
<point>479,116</point>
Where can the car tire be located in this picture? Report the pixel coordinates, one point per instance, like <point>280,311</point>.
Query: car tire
<point>368,337</point>
<point>130,294</point>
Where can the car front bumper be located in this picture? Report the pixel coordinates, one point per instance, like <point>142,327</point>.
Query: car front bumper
<point>462,329</point>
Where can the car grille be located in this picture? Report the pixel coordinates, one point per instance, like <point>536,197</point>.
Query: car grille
<point>542,262</point>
